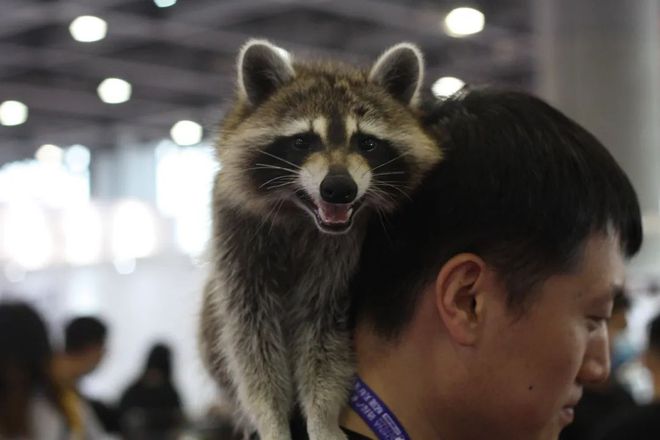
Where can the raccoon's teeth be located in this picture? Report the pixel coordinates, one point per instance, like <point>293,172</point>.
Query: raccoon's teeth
<point>335,213</point>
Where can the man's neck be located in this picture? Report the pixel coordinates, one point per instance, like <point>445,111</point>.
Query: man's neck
<point>391,376</point>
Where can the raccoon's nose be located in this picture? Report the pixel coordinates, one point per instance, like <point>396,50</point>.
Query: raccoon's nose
<point>338,188</point>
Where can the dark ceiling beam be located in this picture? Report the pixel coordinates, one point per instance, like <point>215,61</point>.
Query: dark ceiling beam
<point>230,12</point>
<point>421,23</point>
<point>414,20</point>
<point>208,37</point>
<point>82,104</point>
<point>23,15</point>
<point>176,30</point>
<point>100,67</point>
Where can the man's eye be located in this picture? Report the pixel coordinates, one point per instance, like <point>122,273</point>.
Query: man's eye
<point>595,322</point>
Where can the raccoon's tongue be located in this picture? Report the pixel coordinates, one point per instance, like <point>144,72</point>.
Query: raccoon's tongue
<point>335,212</point>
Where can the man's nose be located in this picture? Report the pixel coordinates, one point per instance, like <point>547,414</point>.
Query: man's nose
<point>596,363</point>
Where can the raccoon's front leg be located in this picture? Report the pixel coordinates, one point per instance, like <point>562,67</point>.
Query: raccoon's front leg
<point>258,361</point>
<point>324,371</point>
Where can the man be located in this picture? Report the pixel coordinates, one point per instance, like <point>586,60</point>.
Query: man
<point>643,423</point>
<point>481,308</point>
<point>84,348</point>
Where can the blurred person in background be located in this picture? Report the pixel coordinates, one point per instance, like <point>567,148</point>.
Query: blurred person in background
<point>84,348</point>
<point>151,406</point>
<point>32,404</point>
<point>642,423</point>
<point>602,401</point>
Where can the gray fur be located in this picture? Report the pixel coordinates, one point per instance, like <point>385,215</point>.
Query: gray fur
<point>288,327</point>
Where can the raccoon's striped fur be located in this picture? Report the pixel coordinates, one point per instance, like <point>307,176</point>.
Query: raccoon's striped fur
<point>308,152</point>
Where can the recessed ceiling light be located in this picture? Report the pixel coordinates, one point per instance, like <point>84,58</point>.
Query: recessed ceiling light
<point>88,28</point>
<point>165,3</point>
<point>461,22</point>
<point>13,113</point>
<point>77,158</point>
<point>49,153</point>
<point>114,91</point>
<point>446,86</point>
<point>186,133</point>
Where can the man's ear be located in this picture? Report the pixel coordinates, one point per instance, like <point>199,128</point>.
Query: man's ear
<point>460,289</point>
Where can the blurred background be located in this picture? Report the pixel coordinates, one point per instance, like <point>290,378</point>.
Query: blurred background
<point>108,111</point>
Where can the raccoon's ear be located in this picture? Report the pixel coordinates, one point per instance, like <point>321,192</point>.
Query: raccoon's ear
<point>262,69</point>
<point>400,70</point>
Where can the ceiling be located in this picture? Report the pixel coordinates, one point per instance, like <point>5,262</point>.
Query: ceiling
<point>180,60</point>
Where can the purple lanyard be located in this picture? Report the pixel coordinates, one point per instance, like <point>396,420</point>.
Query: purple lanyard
<point>375,413</point>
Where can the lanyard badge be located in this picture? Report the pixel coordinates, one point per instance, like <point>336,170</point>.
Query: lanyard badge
<point>375,413</point>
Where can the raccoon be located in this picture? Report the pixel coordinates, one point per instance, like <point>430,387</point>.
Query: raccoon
<point>309,152</point>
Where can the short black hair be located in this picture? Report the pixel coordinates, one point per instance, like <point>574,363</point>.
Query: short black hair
<point>160,359</point>
<point>521,185</point>
<point>84,332</point>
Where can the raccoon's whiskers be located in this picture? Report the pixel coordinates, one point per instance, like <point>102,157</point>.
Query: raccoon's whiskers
<point>269,217</point>
<point>396,187</point>
<point>265,166</point>
<point>388,173</point>
<point>280,185</point>
<point>292,178</point>
<point>278,207</point>
<point>381,196</point>
<point>389,162</point>
<point>382,219</point>
<point>274,156</point>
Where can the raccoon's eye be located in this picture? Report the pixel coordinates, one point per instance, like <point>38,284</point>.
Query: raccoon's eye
<point>368,143</point>
<point>302,144</point>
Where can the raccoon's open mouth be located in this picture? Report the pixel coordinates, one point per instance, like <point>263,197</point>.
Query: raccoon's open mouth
<point>332,218</point>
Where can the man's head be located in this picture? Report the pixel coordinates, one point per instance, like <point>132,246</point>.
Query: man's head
<point>84,343</point>
<point>505,264</point>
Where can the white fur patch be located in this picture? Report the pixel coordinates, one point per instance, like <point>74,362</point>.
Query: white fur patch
<point>320,127</point>
<point>312,174</point>
<point>360,171</point>
<point>295,126</point>
<point>351,126</point>
<point>375,128</point>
